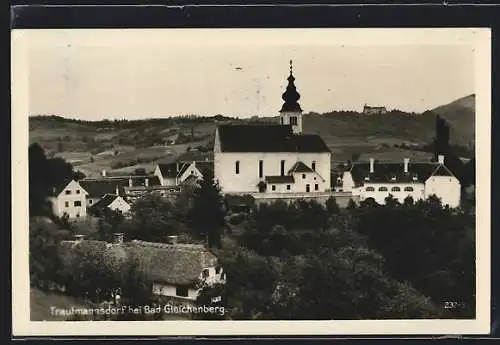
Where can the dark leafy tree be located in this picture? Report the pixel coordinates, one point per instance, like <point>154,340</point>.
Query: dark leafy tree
<point>207,214</point>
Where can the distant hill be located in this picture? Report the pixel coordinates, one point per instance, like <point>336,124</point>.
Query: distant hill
<point>460,115</point>
<point>123,146</point>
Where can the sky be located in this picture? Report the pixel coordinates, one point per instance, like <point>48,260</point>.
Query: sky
<point>134,74</point>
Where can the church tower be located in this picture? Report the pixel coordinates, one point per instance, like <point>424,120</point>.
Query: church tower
<point>291,112</point>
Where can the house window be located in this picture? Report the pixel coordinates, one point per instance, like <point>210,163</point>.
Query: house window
<point>90,202</point>
<point>303,175</point>
<point>293,120</point>
<point>237,167</point>
<point>395,189</point>
<point>181,291</point>
<point>218,269</point>
<point>66,204</point>
<point>287,187</point>
<point>78,215</point>
<point>370,189</point>
<point>77,191</point>
<point>408,189</point>
<point>68,192</point>
<point>313,165</point>
<point>382,189</point>
<point>261,168</point>
<point>273,187</point>
<point>308,188</point>
<point>316,186</point>
<point>78,203</point>
<point>282,168</point>
<point>281,120</point>
<point>192,172</point>
<point>205,273</point>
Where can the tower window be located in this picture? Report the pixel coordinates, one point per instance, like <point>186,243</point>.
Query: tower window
<point>261,168</point>
<point>282,167</point>
<point>237,167</point>
<point>293,120</point>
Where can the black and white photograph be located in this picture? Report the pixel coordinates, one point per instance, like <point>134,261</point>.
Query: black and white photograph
<point>306,178</point>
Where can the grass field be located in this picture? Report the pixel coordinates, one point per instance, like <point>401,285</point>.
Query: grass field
<point>41,302</point>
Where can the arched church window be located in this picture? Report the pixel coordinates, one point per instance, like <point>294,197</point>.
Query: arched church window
<point>237,167</point>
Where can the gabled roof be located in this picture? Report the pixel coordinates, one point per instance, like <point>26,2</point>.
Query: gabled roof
<point>101,187</point>
<point>267,138</point>
<point>280,179</point>
<point>394,172</point>
<point>300,167</point>
<point>97,188</point>
<point>191,180</point>
<point>57,189</point>
<point>104,202</point>
<point>176,264</point>
<point>171,263</point>
<point>169,170</point>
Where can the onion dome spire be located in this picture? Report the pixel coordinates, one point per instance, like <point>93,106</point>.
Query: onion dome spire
<point>291,96</point>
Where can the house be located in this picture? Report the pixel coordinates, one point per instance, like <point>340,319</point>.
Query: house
<point>374,110</point>
<point>173,270</point>
<point>69,198</point>
<point>112,202</point>
<point>174,174</point>
<point>272,158</point>
<point>98,188</point>
<point>417,180</point>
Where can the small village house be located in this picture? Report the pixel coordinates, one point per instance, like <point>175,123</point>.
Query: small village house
<point>174,270</point>
<point>69,198</point>
<point>174,174</point>
<point>112,202</point>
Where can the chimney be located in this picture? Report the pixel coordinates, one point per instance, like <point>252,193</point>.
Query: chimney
<point>372,165</point>
<point>118,238</point>
<point>103,173</point>
<point>441,159</point>
<point>172,239</point>
<point>177,167</point>
<point>130,181</point>
<point>117,192</point>
<point>78,238</point>
<point>146,182</point>
<point>406,161</point>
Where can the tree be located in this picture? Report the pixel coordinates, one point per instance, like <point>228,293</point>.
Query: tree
<point>332,206</point>
<point>207,214</point>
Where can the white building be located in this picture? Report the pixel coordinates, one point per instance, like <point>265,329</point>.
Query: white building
<point>69,198</point>
<point>113,202</point>
<point>174,174</point>
<point>417,180</point>
<point>272,158</point>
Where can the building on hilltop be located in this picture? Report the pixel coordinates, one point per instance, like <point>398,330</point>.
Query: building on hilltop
<point>369,110</point>
<point>417,180</point>
<point>265,159</point>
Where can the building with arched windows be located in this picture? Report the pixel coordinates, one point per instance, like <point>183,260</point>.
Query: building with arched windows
<point>401,180</point>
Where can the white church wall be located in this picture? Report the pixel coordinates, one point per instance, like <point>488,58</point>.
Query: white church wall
<point>248,177</point>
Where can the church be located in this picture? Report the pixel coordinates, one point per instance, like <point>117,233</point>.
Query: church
<point>272,159</point>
